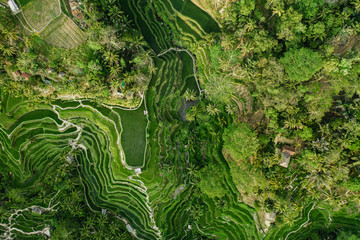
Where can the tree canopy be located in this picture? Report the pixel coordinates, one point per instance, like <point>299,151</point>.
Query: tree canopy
<point>240,141</point>
<point>301,64</point>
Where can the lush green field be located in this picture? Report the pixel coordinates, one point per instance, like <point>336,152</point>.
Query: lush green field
<point>23,3</point>
<point>105,143</point>
<point>133,136</point>
<point>34,143</point>
<point>39,13</point>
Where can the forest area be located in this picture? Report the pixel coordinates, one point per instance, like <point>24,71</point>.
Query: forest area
<point>287,72</point>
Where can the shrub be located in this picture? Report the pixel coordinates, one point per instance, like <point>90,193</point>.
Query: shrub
<point>301,64</point>
<point>240,141</point>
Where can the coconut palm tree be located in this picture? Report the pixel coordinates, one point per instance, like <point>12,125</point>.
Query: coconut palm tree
<point>189,95</point>
<point>8,51</point>
<point>115,13</point>
<point>114,71</point>
<point>230,109</point>
<point>356,4</point>
<point>10,34</point>
<point>212,110</point>
<point>111,58</point>
<point>190,116</point>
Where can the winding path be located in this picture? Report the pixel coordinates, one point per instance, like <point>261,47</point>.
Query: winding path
<point>302,225</point>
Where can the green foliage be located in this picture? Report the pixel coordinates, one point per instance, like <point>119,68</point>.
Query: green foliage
<point>247,178</point>
<point>211,182</point>
<point>301,64</point>
<point>306,133</point>
<point>219,88</point>
<point>347,236</point>
<point>240,141</point>
<point>245,6</point>
<point>353,184</point>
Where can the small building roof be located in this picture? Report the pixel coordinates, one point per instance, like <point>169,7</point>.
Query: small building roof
<point>289,150</point>
<point>103,211</point>
<point>13,6</point>
<point>25,75</point>
<point>47,81</point>
<point>75,12</point>
<point>74,4</point>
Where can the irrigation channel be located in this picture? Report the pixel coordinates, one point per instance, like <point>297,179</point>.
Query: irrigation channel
<point>108,142</point>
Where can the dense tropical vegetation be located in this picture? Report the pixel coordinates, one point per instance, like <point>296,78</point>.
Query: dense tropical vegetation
<point>187,120</point>
<point>114,50</point>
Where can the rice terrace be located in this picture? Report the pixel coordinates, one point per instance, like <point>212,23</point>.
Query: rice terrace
<point>180,119</point>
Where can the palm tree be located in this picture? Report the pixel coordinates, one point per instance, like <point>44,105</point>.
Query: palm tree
<point>212,110</point>
<point>152,69</point>
<point>190,116</point>
<point>111,58</point>
<point>102,221</point>
<point>116,13</point>
<point>246,48</point>
<point>189,95</point>
<point>324,13</point>
<point>226,43</point>
<point>196,212</point>
<point>86,231</point>
<point>250,25</point>
<point>292,123</point>
<point>11,34</point>
<point>114,71</point>
<point>324,130</point>
<point>115,84</point>
<point>356,4</point>
<point>8,51</point>
<point>114,226</point>
<point>316,180</point>
<point>192,172</point>
<point>230,109</point>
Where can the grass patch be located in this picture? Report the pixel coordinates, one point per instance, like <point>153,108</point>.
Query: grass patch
<point>21,3</point>
<point>40,12</point>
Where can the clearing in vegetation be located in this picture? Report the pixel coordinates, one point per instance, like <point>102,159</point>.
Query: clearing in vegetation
<point>47,18</point>
<point>39,13</point>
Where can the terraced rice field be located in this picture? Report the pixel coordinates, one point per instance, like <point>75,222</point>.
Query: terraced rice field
<point>313,219</point>
<point>32,142</point>
<point>108,142</point>
<point>63,32</point>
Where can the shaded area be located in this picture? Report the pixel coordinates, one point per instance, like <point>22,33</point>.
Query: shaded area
<point>185,105</point>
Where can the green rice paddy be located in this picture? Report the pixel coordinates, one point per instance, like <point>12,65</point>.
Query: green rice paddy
<point>109,142</point>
